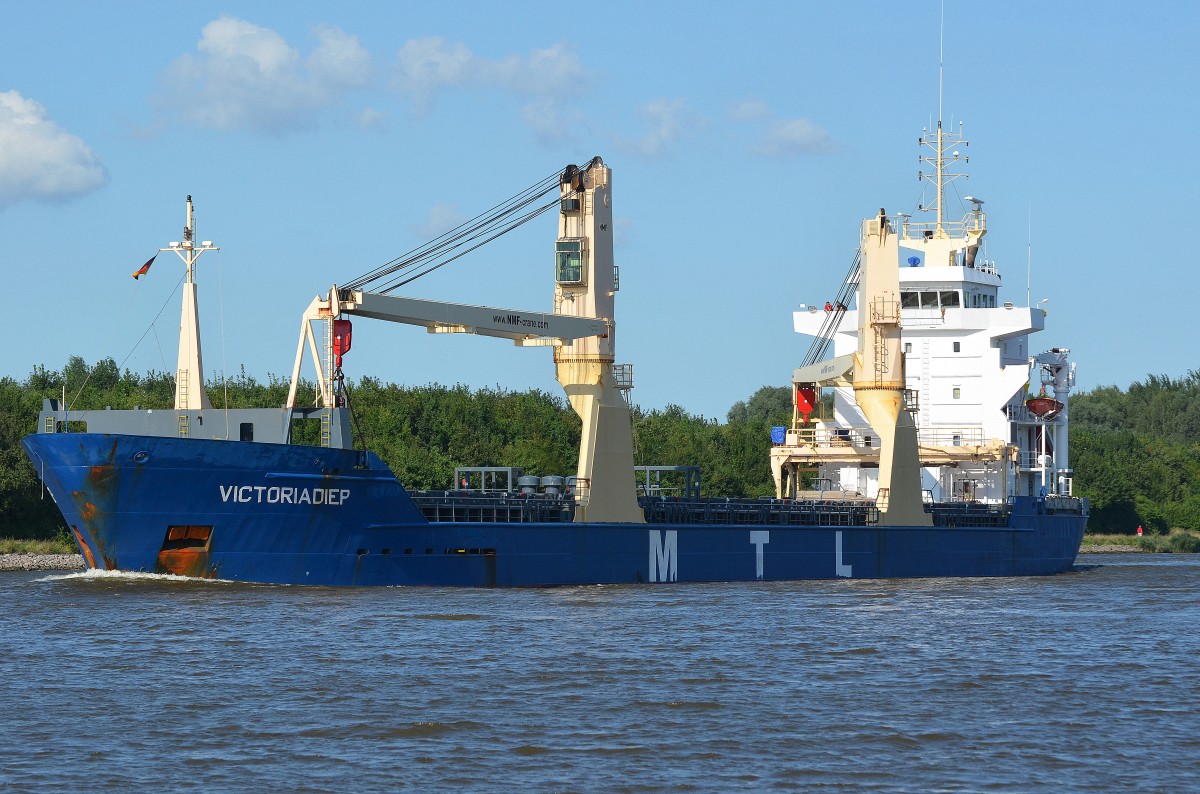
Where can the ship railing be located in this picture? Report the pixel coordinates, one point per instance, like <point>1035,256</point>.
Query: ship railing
<point>923,230</point>
<point>825,489</point>
<point>623,375</point>
<point>968,514</point>
<point>833,437</point>
<point>950,436</point>
<point>923,317</point>
<point>759,512</point>
<point>1022,414</point>
<point>1033,460</point>
<point>513,507</point>
<point>1065,503</point>
<point>885,311</point>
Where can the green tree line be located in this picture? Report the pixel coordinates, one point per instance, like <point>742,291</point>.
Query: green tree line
<point>1135,452</point>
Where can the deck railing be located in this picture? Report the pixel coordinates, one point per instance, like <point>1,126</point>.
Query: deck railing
<point>865,437</point>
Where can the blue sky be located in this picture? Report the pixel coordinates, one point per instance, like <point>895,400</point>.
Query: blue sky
<point>747,141</point>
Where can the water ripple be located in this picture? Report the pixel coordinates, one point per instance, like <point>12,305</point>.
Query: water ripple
<point>1081,682</point>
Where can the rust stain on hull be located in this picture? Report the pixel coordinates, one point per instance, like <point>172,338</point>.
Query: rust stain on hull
<point>87,552</point>
<point>96,503</point>
<point>185,562</point>
<point>185,552</point>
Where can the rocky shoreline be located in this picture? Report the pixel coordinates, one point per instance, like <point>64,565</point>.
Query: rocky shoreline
<point>1111,548</point>
<point>41,562</point>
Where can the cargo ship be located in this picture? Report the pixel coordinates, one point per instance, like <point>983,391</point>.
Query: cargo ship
<point>870,481</point>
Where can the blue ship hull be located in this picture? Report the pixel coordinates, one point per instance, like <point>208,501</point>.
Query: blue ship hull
<point>276,513</point>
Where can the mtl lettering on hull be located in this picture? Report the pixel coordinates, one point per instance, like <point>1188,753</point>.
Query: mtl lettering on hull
<point>840,568</point>
<point>664,555</point>
<point>663,564</point>
<point>758,538</point>
<point>283,494</point>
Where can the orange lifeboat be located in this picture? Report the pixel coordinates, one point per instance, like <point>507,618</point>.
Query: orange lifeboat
<point>1043,407</point>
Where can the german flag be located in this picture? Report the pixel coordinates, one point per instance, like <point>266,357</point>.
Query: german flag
<point>144,269</point>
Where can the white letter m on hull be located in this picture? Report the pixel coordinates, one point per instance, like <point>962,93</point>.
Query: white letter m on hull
<point>664,556</point>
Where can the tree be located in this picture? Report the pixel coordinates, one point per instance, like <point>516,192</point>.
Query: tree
<point>770,405</point>
<point>1136,453</point>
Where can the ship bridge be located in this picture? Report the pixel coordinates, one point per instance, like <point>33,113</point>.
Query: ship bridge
<point>967,363</point>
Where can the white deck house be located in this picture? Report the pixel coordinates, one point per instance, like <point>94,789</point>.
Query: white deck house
<point>967,363</point>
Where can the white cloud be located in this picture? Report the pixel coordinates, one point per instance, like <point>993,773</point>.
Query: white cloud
<point>749,110</point>
<point>551,120</point>
<point>38,158</point>
<point>425,66</point>
<point>247,77</point>
<point>791,137</point>
<point>371,119</point>
<point>339,60</point>
<point>441,219</point>
<point>547,79</point>
<point>782,137</point>
<point>666,120</point>
<point>552,72</point>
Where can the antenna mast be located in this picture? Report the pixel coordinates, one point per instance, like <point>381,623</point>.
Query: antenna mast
<point>941,143</point>
<point>1029,255</point>
<point>941,57</point>
<point>189,377</point>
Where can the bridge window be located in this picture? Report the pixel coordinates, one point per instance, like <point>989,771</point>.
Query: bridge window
<point>928,299</point>
<point>568,258</point>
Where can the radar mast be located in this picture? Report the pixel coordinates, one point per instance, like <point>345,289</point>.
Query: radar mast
<point>189,376</point>
<point>944,150</point>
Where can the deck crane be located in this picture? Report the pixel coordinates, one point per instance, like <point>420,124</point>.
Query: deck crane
<point>581,330</point>
<point>876,374</point>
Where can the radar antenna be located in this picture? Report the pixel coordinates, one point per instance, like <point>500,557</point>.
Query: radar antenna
<point>941,144</point>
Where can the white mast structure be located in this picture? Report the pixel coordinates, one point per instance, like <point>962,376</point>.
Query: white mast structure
<point>189,375</point>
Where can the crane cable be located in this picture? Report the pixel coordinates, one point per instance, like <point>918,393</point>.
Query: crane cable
<point>465,237</point>
<point>833,319</point>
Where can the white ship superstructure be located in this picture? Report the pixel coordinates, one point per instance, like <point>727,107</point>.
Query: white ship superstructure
<point>990,414</point>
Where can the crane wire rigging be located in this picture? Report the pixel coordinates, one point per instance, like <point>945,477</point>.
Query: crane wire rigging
<point>833,319</point>
<point>464,238</point>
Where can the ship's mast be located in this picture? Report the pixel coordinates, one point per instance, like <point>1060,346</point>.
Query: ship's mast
<point>944,147</point>
<point>189,376</point>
